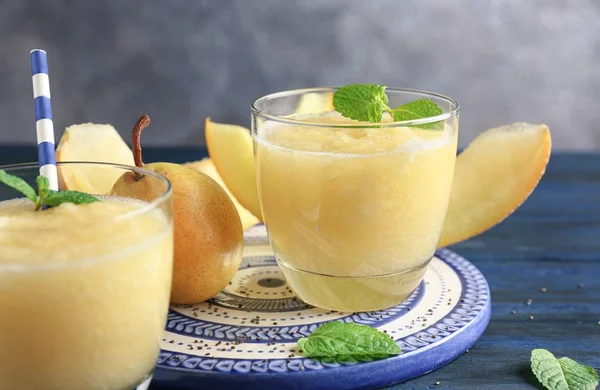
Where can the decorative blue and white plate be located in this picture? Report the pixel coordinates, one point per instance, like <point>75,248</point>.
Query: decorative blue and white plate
<point>245,337</point>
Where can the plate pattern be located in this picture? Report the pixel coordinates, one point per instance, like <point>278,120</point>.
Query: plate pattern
<point>252,326</point>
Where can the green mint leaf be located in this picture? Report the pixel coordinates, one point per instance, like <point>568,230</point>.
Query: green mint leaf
<point>361,102</point>
<point>43,190</point>
<point>367,102</point>
<point>75,197</point>
<point>342,339</point>
<point>578,376</point>
<point>563,373</point>
<point>419,109</point>
<point>43,186</point>
<point>18,184</point>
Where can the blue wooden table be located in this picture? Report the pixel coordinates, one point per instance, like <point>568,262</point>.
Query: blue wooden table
<point>547,252</point>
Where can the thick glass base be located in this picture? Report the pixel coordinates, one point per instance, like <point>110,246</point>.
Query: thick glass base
<point>353,294</point>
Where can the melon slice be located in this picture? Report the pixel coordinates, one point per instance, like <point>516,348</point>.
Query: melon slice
<point>493,176</point>
<point>206,166</point>
<point>313,102</point>
<point>230,149</point>
<point>91,142</point>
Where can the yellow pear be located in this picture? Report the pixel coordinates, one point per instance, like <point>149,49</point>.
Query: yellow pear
<point>207,227</point>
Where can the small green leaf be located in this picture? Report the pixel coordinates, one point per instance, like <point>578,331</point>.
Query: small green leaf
<point>75,197</point>
<point>419,109</point>
<point>18,184</point>
<point>341,339</point>
<point>367,102</point>
<point>578,376</point>
<point>43,186</point>
<point>563,373</point>
<point>361,102</point>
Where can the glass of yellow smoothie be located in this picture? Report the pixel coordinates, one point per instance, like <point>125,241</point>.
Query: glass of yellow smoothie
<point>84,289</point>
<point>353,210</point>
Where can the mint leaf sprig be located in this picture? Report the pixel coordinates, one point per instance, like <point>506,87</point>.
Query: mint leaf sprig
<point>45,196</point>
<point>368,102</point>
<point>563,373</point>
<point>344,339</point>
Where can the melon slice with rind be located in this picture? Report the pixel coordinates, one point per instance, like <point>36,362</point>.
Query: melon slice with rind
<point>91,142</point>
<point>493,176</point>
<point>206,166</point>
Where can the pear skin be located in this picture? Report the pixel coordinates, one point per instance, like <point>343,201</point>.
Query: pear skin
<point>207,228</point>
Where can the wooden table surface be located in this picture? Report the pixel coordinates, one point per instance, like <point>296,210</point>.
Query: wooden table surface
<point>552,242</point>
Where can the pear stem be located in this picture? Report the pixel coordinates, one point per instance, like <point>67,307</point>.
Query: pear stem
<point>136,144</point>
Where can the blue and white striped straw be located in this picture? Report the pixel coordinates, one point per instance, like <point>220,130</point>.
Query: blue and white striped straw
<point>43,116</point>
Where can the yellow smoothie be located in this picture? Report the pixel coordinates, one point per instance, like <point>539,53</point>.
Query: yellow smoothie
<point>353,214</point>
<point>84,293</point>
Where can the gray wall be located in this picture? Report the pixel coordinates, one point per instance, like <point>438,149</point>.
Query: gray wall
<point>180,61</point>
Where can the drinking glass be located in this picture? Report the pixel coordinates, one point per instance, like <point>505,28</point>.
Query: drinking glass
<point>354,210</point>
<point>84,290</point>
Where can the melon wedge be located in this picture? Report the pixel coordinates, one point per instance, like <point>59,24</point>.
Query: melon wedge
<point>206,166</point>
<point>311,103</point>
<point>230,149</point>
<point>493,177</point>
<point>91,142</point>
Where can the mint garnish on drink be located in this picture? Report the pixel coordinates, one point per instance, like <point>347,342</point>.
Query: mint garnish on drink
<point>344,339</point>
<point>368,102</point>
<point>45,196</point>
<point>563,373</point>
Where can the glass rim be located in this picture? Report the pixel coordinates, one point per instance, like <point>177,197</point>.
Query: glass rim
<point>154,204</point>
<point>87,260</point>
<point>364,125</point>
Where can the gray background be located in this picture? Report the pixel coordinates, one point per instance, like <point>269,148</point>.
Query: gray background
<point>180,61</point>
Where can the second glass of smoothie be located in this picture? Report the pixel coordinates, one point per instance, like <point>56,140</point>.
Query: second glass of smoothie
<point>84,289</point>
<point>354,210</point>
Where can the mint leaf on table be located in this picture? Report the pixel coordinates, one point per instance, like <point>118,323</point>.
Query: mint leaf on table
<point>419,109</point>
<point>76,197</point>
<point>343,339</point>
<point>563,373</point>
<point>362,102</point>
<point>18,184</point>
<point>578,376</point>
<point>367,102</point>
